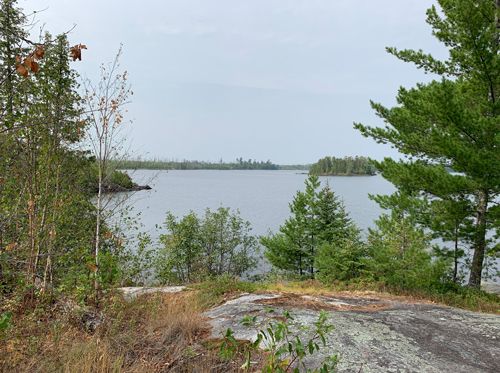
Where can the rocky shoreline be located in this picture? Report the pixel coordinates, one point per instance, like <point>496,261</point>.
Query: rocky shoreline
<point>114,188</point>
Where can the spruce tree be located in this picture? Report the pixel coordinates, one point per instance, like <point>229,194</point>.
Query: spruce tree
<point>340,255</point>
<point>293,250</point>
<point>453,121</point>
<point>448,220</point>
<point>318,218</point>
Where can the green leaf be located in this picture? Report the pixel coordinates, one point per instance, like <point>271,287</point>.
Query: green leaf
<point>246,365</point>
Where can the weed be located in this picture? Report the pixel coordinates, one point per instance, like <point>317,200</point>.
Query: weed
<point>285,350</point>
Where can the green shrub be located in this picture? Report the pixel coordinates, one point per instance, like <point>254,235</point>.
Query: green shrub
<point>122,179</point>
<point>197,249</point>
<point>285,351</point>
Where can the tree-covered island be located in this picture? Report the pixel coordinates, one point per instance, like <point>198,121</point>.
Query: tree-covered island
<point>347,166</point>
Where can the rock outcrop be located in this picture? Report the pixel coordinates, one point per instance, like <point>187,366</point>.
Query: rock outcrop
<point>378,335</point>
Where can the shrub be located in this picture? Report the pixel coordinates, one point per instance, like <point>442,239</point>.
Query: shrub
<point>285,351</point>
<point>196,249</point>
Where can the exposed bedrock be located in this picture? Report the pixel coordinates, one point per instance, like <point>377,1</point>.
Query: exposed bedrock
<point>380,335</point>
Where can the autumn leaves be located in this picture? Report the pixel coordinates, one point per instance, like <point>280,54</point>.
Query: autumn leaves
<point>76,52</point>
<point>29,62</point>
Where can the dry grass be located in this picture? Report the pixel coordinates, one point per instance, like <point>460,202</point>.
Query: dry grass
<point>294,300</point>
<point>154,333</point>
<point>468,299</point>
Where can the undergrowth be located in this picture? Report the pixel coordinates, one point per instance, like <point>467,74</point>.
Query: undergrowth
<point>448,294</point>
<point>163,332</point>
<point>150,333</point>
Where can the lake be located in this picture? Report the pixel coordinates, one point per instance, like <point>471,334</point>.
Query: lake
<point>262,197</point>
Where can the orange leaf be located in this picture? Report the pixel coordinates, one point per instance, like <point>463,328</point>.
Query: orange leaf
<point>19,59</point>
<point>76,52</point>
<point>22,70</point>
<point>27,62</point>
<point>92,267</point>
<point>1,181</point>
<point>39,52</point>
<point>34,66</point>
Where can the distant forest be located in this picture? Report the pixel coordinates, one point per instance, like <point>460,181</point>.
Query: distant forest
<point>343,166</point>
<point>176,164</point>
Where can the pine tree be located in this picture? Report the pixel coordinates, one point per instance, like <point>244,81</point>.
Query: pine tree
<point>399,248</point>
<point>452,122</point>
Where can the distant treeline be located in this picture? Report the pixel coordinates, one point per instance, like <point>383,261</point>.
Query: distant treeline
<point>176,164</point>
<point>343,166</point>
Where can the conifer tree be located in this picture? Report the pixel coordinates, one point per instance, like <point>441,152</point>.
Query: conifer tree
<point>399,248</point>
<point>453,121</point>
<point>293,249</point>
<point>317,218</point>
<point>448,220</point>
<point>340,255</point>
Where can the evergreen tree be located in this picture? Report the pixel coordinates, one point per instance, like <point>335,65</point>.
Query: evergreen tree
<point>398,248</point>
<point>317,218</point>
<point>12,23</point>
<point>452,122</point>
<point>293,249</point>
<point>339,257</point>
<point>449,221</point>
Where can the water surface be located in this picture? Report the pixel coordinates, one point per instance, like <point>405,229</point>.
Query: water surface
<point>262,196</point>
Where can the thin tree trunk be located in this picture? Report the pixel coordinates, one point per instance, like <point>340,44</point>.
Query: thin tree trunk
<point>40,242</point>
<point>480,240</point>
<point>455,256</point>
<point>97,233</point>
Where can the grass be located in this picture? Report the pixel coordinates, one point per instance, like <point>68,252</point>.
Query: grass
<point>448,294</point>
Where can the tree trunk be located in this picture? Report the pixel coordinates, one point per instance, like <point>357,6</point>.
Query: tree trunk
<point>480,240</point>
<point>98,233</point>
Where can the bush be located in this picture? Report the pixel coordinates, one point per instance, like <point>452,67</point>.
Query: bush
<point>122,179</point>
<point>197,249</point>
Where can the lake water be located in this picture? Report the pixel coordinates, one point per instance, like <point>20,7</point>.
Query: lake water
<point>261,196</point>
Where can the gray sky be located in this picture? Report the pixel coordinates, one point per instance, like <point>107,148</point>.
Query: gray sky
<point>262,79</point>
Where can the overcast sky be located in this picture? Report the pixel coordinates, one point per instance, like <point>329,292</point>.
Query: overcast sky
<point>261,79</point>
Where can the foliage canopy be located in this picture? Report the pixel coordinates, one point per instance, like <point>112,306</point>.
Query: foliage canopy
<point>452,122</point>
